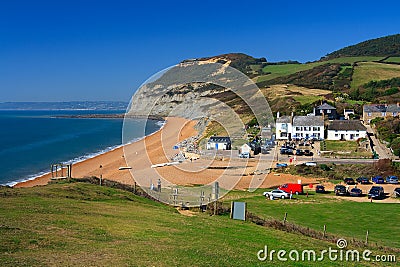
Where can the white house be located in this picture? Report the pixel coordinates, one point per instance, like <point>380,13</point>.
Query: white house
<point>347,113</point>
<point>307,127</point>
<point>219,143</point>
<point>346,130</point>
<point>283,127</point>
<point>245,149</point>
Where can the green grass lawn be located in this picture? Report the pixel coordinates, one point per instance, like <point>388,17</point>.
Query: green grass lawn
<point>368,71</point>
<point>393,59</point>
<point>343,218</point>
<point>76,224</point>
<point>307,99</point>
<point>346,149</point>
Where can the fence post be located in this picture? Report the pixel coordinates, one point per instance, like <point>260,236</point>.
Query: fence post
<point>284,219</point>
<point>324,230</point>
<point>366,238</point>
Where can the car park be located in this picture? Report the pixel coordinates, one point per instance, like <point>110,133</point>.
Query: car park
<point>349,181</point>
<point>355,192</point>
<point>376,192</point>
<point>362,180</point>
<point>392,180</point>
<point>378,179</point>
<point>308,153</point>
<point>276,193</point>
<point>320,189</point>
<point>340,190</point>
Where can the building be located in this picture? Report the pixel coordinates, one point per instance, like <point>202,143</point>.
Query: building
<point>305,127</point>
<point>373,111</point>
<point>283,127</point>
<point>219,143</point>
<point>350,130</point>
<point>245,149</point>
<point>347,113</point>
<point>326,110</point>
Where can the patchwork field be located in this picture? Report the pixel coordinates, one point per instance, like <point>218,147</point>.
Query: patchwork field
<point>368,71</point>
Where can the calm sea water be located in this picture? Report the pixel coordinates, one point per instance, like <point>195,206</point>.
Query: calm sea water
<point>30,141</point>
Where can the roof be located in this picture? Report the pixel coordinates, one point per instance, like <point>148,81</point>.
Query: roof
<point>351,125</point>
<point>325,106</point>
<point>219,139</point>
<point>284,119</point>
<point>308,121</point>
<point>381,108</point>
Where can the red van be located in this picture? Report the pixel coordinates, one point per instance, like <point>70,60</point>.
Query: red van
<point>292,188</point>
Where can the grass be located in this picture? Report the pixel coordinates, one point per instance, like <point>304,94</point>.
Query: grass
<point>368,71</point>
<point>346,149</point>
<point>393,59</point>
<point>344,218</point>
<point>306,99</point>
<point>87,225</point>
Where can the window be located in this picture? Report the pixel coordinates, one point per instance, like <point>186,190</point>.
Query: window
<point>328,111</point>
<point>297,128</point>
<point>336,135</point>
<point>383,114</point>
<point>357,135</point>
<point>369,114</point>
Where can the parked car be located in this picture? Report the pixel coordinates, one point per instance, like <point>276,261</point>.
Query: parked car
<point>292,188</point>
<point>244,155</point>
<point>311,163</point>
<point>299,152</point>
<point>349,181</point>
<point>281,165</point>
<point>376,192</point>
<point>378,179</point>
<point>397,192</point>
<point>320,189</point>
<point>286,151</point>
<point>355,192</point>
<point>340,190</point>
<point>276,193</point>
<point>308,153</point>
<point>362,180</point>
<point>392,180</point>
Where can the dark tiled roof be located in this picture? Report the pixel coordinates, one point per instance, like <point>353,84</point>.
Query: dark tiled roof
<point>381,108</point>
<point>351,125</point>
<point>284,119</point>
<point>308,121</point>
<point>219,139</point>
<point>325,106</point>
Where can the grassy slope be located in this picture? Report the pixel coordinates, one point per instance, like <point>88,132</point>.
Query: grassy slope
<point>344,218</point>
<point>368,71</point>
<point>86,225</point>
<point>393,59</point>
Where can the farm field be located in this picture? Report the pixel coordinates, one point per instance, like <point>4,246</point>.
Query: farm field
<point>368,71</point>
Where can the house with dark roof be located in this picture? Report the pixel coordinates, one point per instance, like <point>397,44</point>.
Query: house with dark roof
<point>219,143</point>
<point>305,127</point>
<point>326,110</point>
<point>350,130</point>
<point>373,111</point>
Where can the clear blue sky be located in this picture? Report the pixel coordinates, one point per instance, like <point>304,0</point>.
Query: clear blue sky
<point>104,50</point>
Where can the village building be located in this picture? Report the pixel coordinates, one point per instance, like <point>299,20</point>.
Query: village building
<point>283,127</point>
<point>372,111</point>
<point>326,110</point>
<point>305,127</point>
<point>349,130</point>
<point>347,113</point>
<point>219,143</point>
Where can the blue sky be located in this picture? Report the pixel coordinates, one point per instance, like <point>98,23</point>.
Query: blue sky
<point>104,50</point>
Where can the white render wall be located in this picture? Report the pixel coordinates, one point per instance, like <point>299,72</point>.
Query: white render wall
<point>283,128</point>
<point>304,131</point>
<point>337,135</point>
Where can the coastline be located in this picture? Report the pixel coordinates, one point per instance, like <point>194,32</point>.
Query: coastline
<point>110,161</point>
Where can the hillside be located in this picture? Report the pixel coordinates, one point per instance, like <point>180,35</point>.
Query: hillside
<point>72,224</point>
<point>384,46</point>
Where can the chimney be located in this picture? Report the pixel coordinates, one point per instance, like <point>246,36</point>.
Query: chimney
<point>277,114</point>
<point>314,112</point>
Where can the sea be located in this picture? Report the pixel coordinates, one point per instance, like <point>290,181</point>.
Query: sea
<point>32,140</point>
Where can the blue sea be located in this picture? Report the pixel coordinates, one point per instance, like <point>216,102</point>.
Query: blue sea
<point>30,141</point>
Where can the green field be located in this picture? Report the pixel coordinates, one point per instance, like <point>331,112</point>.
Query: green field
<point>307,99</point>
<point>287,69</point>
<point>76,224</point>
<point>368,71</point>
<point>393,59</point>
<point>344,218</point>
<point>346,149</point>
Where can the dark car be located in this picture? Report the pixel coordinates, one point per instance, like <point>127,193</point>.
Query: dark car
<point>299,152</point>
<point>378,179</point>
<point>392,180</point>
<point>397,192</point>
<point>286,151</point>
<point>349,181</point>
<point>376,192</point>
<point>320,189</point>
<point>308,153</point>
<point>355,192</point>
<point>340,190</point>
<point>362,180</point>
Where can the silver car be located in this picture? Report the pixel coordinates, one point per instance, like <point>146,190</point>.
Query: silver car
<point>276,193</point>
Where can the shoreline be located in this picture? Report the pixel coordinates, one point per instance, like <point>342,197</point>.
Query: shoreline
<point>42,178</point>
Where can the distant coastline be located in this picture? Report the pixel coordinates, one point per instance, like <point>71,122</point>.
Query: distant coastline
<point>110,116</point>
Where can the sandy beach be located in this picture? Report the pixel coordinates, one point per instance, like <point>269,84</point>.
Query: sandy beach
<point>157,148</point>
